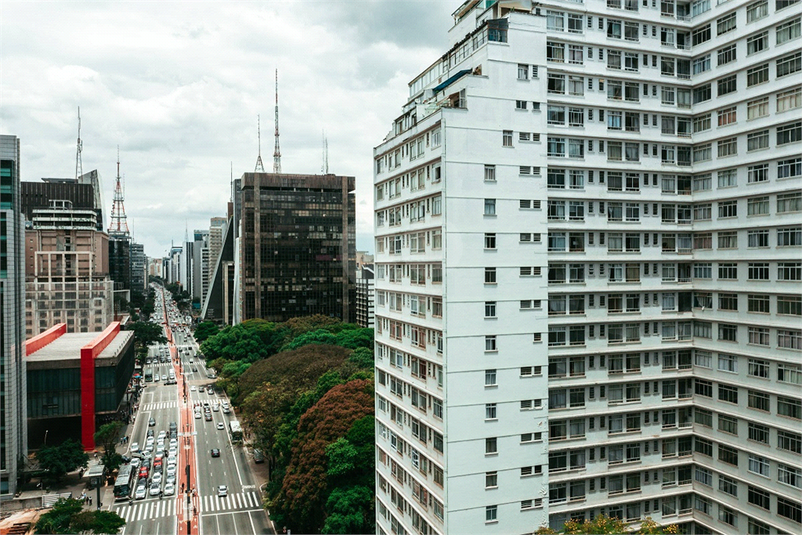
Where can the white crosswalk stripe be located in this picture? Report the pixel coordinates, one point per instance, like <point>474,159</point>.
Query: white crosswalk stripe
<point>159,405</point>
<point>146,510</point>
<point>232,502</point>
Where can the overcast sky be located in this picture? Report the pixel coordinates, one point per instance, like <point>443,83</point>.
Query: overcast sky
<point>178,86</point>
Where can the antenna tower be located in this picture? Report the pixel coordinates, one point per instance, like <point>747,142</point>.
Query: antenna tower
<point>276,150</point>
<point>79,166</point>
<point>260,168</point>
<point>119,221</point>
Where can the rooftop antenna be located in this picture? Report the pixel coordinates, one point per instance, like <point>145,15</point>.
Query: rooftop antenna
<point>119,221</point>
<point>326,153</point>
<point>260,168</point>
<point>276,150</point>
<point>231,184</point>
<point>79,166</point>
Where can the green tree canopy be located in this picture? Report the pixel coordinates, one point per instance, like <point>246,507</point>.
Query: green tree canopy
<point>205,330</point>
<point>62,458</point>
<point>605,525</point>
<point>68,516</point>
<point>108,435</point>
<point>147,333</point>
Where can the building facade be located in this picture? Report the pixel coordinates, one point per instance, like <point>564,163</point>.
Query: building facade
<point>13,388</point>
<point>588,277</point>
<point>297,246</point>
<point>364,296</point>
<point>67,271</point>
<point>139,268</point>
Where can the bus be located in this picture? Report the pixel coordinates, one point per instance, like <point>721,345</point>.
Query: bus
<point>236,430</point>
<point>124,483</point>
<point>148,375</point>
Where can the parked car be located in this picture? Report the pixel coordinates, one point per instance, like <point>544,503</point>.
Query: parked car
<point>258,456</point>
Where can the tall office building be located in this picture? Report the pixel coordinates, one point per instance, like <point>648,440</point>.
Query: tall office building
<point>139,268</point>
<point>297,246</point>
<point>13,430</point>
<point>588,276</point>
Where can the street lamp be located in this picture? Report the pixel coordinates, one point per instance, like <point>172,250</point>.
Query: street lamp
<point>45,442</point>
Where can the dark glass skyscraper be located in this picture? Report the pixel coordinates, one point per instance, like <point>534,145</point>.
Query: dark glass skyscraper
<point>297,249</point>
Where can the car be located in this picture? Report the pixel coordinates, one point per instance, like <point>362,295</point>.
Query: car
<point>164,378</point>
<point>141,492</point>
<point>170,478</point>
<point>208,418</point>
<point>135,462</point>
<point>194,369</point>
<point>173,452</point>
<point>160,445</point>
<point>152,422</point>
<point>226,410</point>
<point>258,456</point>
<point>221,426</point>
<point>149,448</point>
<point>171,461</point>
<point>155,490</point>
<point>143,472</point>
<point>150,440</point>
<point>171,469</point>
<point>173,442</point>
<point>201,389</point>
<point>162,434</point>
<point>222,490</point>
<point>169,489</point>
<point>192,388</point>
<point>156,378</point>
<point>173,426</point>
<point>158,458</point>
<point>197,414</point>
<point>216,407</point>
<point>150,432</point>
<point>134,446</point>
<point>215,452</point>
<point>156,477</point>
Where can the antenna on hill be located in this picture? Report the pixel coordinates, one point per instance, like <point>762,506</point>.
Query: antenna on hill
<point>260,168</point>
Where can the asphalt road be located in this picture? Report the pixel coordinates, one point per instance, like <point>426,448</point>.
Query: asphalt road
<point>240,511</point>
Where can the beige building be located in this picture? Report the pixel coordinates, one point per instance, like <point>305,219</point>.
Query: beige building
<point>67,271</point>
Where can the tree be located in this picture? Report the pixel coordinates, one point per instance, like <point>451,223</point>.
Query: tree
<point>349,510</point>
<point>205,330</point>
<point>305,489</point>
<point>62,458</point>
<point>111,460</point>
<point>603,524</point>
<point>147,333</point>
<point>108,435</point>
<point>68,516</point>
<point>362,357</point>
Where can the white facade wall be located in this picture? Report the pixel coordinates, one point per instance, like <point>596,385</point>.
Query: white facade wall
<point>656,288</point>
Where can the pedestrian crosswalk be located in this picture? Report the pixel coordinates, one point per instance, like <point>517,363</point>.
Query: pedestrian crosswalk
<point>158,405</point>
<point>146,509</point>
<point>234,501</point>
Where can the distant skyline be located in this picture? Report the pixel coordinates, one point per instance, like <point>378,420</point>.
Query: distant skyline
<point>178,86</point>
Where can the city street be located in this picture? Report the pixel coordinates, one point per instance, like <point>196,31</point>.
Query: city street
<point>202,425</point>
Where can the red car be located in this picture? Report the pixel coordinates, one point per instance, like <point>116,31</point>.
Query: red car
<point>143,472</point>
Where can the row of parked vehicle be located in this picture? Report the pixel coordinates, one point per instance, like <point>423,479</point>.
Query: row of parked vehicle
<point>156,464</point>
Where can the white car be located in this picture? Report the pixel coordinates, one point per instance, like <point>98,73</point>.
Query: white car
<point>135,462</point>
<point>222,490</point>
<point>156,477</point>
<point>155,489</point>
<point>162,435</point>
<point>141,492</point>
<point>134,446</point>
<point>192,388</point>
<point>197,414</point>
<point>171,469</point>
<point>150,441</point>
<point>172,452</point>
<point>221,426</point>
<point>169,489</point>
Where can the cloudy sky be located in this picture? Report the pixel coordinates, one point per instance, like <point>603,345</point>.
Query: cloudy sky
<point>178,86</point>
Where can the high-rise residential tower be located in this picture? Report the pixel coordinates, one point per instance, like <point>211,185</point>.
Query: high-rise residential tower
<point>13,431</point>
<point>588,279</point>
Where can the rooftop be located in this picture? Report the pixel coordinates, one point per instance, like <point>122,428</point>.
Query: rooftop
<point>68,347</point>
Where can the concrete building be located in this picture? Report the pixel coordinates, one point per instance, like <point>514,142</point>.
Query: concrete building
<point>13,389</point>
<point>297,246</point>
<point>588,276</point>
<point>217,232</point>
<point>77,382</point>
<point>67,271</point>
<point>364,295</point>
<point>221,300</point>
<point>139,262</point>
<point>84,193</point>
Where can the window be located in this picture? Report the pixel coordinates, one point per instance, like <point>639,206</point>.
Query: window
<point>728,147</point>
<point>757,10</point>
<point>727,116</point>
<point>757,140</point>
<point>490,240</point>
<point>727,454</point>
<point>491,513</point>
<point>727,85</point>
<point>758,238</point>
<point>491,480</point>
<point>789,509</point>
<point>789,271</point>
<point>789,475</point>
<point>490,411</point>
<point>490,173</point>
<point>789,441</point>
<point>758,271</point>
<point>792,408</point>
<point>490,343</point>
<point>789,373</point>
<point>789,202</point>
<point>556,83</point>
<point>523,72</point>
<point>790,305</point>
<point>490,207</point>
<point>728,54</point>
<point>506,138</point>
<point>490,378</point>
<point>789,30</point>
<point>788,339</point>
<point>757,108</point>
<point>756,496</point>
<point>727,209</point>
<point>728,485</point>
<point>789,133</point>
<point>758,368</point>
<point>757,43</point>
<point>757,75</point>
<point>758,433</point>
<point>490,275</point>
<point>758,400</point>
<point>758,173</point>
<point>725,24</point>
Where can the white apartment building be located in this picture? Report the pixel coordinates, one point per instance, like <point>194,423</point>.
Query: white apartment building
<point>588,288</point>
